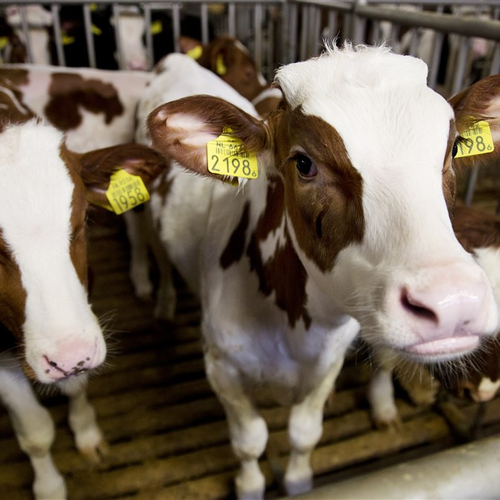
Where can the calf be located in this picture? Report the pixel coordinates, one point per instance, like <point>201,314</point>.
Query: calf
<point>346,226</point>
<point>95,108</point>
<point>477,376</point>
<point>48,332</point>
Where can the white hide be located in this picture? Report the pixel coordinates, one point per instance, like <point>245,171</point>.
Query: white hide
<point>35,221</point>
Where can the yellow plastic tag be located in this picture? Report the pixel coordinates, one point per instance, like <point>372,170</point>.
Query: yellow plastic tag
<point>125,192</point>
<point>93,6</point>
<point>220,67</point>
<point>477,140</point>
<point>67,40</point>
<point>4,41</point>
<point>95,30</point>
<point>156,27</point>
<point>195,53</point>
<point>227,156</point>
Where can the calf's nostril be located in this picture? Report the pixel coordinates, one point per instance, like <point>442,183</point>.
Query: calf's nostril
<point>417,308</point>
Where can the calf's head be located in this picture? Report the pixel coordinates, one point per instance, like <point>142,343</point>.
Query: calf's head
<point>363,151</point>
<point>43,248</point>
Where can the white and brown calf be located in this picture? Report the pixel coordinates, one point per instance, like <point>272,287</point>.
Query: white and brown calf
<point>95,108</point>
<point>476,376</point>
<point>346,226</point>
<point>478,232</point>
<point>48,332</point>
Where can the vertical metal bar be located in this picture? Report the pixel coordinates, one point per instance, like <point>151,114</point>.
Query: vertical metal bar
<point>118,40</point>
<point>204,23</point>
<point>376,33</point>
<point>258,35</point>
<point>25,28</point>
<point>292,34</point>
<point>89,37</point>
<point>458,77</point>
<point>495,60</point>
<point>435,60</point>
<point>316,39</point>
<point>303,33</point>
<point>231,19</point>
<point>176,26</point>
<point>270,44</point>
<point>149,36</point>
<point>471,184</point>
<point>57,33</point>
<point>332,24</point>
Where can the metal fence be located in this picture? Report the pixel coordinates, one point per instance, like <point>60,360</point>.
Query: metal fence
<point>282,31</point>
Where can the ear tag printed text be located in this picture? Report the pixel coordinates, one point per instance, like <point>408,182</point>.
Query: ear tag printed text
<point>126,191</point>
<point>227,156</point>
<point>477,140</point>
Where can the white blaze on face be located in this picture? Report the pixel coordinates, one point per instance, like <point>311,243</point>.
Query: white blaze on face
<point>409,282</point>
<point>61,333</point>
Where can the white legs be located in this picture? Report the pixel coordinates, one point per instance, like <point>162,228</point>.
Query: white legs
<point>34,430</point>
<point>305,427</point>
<point>34,427</point>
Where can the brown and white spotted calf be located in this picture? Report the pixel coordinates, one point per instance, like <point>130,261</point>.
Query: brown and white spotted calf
<point>346,226</point>
<point>48,332</point>
<point>95,108</point>
<point>476,376</point>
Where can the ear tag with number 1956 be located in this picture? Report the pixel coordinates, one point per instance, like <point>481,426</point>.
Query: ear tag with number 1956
<point>227,156</point>
<point>126,191</point>
<point>477,140</point>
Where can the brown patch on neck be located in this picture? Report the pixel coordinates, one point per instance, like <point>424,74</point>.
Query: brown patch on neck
<point>326,211</point>
<point>283,273</point>
<point>68,91</point>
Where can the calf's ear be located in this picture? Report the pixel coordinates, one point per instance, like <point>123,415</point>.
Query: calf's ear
<point>479,102</point>
<point>181,129</point>
<point>98,166</point>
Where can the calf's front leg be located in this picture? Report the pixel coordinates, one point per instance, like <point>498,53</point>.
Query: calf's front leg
<point>34,429</point>
<point>82,419</point>
<point>305,427</point>
<point>248,430</point>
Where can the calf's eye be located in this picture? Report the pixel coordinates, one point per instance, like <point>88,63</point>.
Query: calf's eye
<point>305,166</point>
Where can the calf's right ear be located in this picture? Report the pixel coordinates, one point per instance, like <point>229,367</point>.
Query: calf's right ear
<point>98,166</point>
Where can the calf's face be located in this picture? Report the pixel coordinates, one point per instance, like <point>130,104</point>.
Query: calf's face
<point>43,250</point>
<point>364,150</point>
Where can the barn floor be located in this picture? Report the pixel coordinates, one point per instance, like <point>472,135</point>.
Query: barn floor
<point>166,430</point>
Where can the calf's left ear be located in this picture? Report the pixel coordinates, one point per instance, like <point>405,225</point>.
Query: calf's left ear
<point>479,102</point>
<point>181,129</point>
<point>98,166</point>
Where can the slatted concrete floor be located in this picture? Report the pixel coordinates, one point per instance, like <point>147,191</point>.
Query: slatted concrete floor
<point>166,430</point>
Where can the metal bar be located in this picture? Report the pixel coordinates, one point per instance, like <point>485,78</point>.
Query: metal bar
<point>231,19</point>
<point>460,66</point>
<point>204,23</point>
<point>57,33</point>
<point>149,36</point>
<point>293,34</point>
<point>440,22</point>
<point>176,26</point>
<point>89,38</point>
<point>303,33</point>
<point>258,17</point>
<point>468,471</point>
<point>24,27</point>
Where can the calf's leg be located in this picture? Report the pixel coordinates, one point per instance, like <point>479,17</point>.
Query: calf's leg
<point>34,429</point>
<point>82,419</point>
<point>248,431</point>
<point>305,427</point>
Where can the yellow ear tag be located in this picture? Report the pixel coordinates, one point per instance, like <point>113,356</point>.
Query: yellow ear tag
<point>4,41</point>
<point>477,140</point>
<point>220,67</point>
<point>95,30</point>
<point>227,156</point>
<point>67,40</point>
<point>156,27</point>
<point>195,53</point>
<point>93,6</point>
<point>125,192</point>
